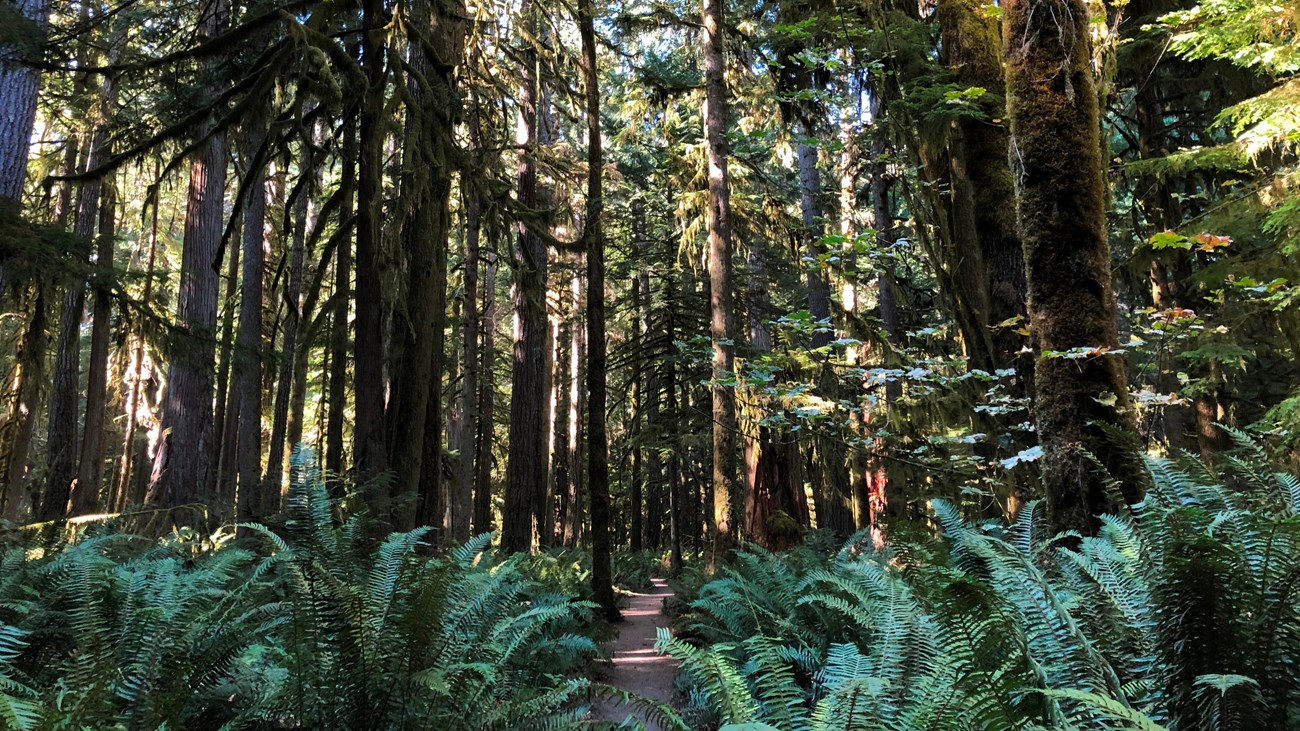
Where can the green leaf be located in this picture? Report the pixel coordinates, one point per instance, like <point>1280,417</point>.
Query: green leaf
<point>1169,240</point>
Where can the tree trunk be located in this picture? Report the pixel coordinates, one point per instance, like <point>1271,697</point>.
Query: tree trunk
<point>182,469</point>
<point>602,583</point>
<point>135,374</point>
<point>564,393</point>
<point>339,329</point>
<point>462,501</point>
<point>577,479</point>
<point>369,455</point>
<point>1061,213</point>
<point>248,337</point>
<point>544,500</point>
<point>724,482</point>
<point>20,422</point>
<point>650,398</point>
<point>486,403</point>
<point>416,408</point>
<point>636,436</point>
<point>62,446</point>
<point>675,491</point>
<point>19,84</point>
<point>286,419</point>
<point>525,465</point>
<point>90,472</point>
<point>227,405</point>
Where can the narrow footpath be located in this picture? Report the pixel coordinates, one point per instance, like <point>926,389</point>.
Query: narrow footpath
<point>636,667</point>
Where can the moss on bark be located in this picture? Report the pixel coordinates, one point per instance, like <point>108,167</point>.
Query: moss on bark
<point>1056,153</point>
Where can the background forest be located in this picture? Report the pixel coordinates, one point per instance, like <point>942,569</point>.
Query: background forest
<point>357,355</point>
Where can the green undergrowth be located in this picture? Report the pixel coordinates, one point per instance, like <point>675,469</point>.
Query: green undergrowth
<point>1181,614</point>
<point>318,626</point>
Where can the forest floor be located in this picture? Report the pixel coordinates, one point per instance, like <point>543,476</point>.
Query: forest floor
<point>635,666</point>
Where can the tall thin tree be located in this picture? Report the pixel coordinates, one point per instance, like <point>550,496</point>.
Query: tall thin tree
<point>724,483</point>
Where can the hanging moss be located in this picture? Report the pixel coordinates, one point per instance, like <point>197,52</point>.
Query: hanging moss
<point>1056,157</point>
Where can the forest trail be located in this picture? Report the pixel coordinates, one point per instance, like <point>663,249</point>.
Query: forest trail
<point>635,666</point>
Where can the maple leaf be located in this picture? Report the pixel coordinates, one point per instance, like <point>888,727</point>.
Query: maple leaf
<point>1209,242</point>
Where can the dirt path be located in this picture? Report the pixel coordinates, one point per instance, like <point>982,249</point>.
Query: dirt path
<point>636,667</point>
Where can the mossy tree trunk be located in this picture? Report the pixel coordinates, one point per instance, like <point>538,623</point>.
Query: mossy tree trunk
<point>369,456</point>
<point>724,483</point>
<point>415,409</point>
<point>1060,207</point>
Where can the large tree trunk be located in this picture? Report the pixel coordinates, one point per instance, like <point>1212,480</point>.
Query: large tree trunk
<point>61,441</point>
<point>602,583</point>
<point>1061,211</point>
<point>525,465</point>
<point>227,405</point>
<point>19,84</point>
<point>369,455</point>
<point>182,469</point>
<point>248,337</point>
<point>416,412</point>
<point>981,177</point>
<point>724,482</point>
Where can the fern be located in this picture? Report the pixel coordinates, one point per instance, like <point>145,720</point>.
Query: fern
<point>1183,613</point>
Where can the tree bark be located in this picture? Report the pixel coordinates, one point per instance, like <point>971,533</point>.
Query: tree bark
<point>1061,212</point>
<point>486,403</point>
<point>90,471</point>
<point>289,384</point>
<point>182,469</point>
<point>19,83</point>
<point>226,420</point>
<point>339,328</point>
<point>62,444</point>
<point>416,409</point>
<point>20,422</point>
<point>525,465</point>
<point>467,428</point>
<point>369,455</point>
<point>724,482</point>
<point>248,335</point>
<point>602,583</point>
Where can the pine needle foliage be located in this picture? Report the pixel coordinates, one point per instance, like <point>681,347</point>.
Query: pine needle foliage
<point>1181,614</point>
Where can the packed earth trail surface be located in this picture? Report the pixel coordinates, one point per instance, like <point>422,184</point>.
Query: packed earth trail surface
<point>635,666</point>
